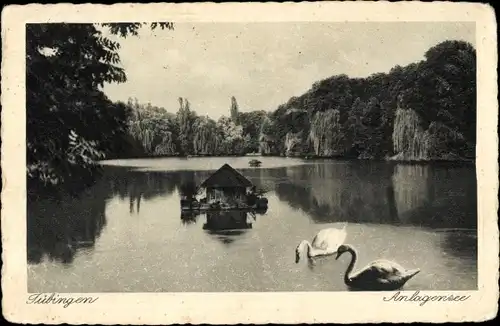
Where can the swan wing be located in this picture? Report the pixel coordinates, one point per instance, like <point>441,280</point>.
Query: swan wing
<point>382,274</point>
<point>390,266</point>
<point>380,269</point>
<point>330,238</point>
<point>320,242</point>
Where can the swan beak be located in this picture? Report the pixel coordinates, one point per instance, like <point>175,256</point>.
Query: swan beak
<point>338,255</point>
<point>297,258</point>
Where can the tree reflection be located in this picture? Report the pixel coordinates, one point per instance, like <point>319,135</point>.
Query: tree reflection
<point>338,192</point>
<point>435,197</point>
<point>59,228</point>
<point>383,193</point>
<point>462,244</point>
<point>137,186</point>
<point>373,192</point>
<point>412,187</point>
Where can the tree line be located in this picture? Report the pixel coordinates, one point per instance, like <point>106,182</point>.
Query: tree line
<point>423,111</point>
<point>153,131</point>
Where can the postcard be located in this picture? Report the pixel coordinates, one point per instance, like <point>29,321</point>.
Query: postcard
<point>226,163</point>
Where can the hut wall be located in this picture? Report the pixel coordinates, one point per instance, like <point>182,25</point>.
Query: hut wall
<point>226,194</point>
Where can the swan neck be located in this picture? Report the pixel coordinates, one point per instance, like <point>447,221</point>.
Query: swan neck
<point>308,248</point>
<point>354,257</point>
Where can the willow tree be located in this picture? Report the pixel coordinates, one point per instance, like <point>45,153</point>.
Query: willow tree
<point>153,128</point>
<point>410,140</point>
<point>436,117</point>
<point>164,125</point>
<point>138,127</point>
<point>441,90</point>
<point>326,134</point>
<point>205,140</point>
<point>166,146</point>
<point>292,143</point>
<point>267,139</point>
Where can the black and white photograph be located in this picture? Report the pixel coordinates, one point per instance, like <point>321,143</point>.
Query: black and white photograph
<point>251,157</point>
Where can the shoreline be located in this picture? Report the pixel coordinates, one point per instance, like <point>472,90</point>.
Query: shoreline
<point>78,184</point>
<point>309,158</point>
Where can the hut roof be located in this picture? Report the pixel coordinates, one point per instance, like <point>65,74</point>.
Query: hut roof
<point>226,176</point>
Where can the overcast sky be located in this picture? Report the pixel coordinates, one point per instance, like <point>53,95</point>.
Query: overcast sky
<point>264,64</point>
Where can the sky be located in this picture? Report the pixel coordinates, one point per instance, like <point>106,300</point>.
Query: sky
<point>264,64</point>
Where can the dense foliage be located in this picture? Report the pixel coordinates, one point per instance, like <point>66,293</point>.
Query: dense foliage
<point>153,131</point>
<point>70,122</point>
<point>423,111</point>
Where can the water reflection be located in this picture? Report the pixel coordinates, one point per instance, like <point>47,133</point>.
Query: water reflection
<point>227,226</point>
<point>189,217</point>
<point>338,192</point>
<point>356,192</point>
<point>224,226</point>
<point>58,228</point>
<point>391,194</point>
<point>436,198</point>
<point>460,244</point>
<point>412,187</point>
<point>135,186</point>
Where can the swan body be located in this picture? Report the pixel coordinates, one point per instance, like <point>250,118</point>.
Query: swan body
<point>379,275</point>
<point>325,243</point>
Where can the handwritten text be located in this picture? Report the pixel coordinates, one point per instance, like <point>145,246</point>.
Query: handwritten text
<point>423,299</point>
<point>53,298</point>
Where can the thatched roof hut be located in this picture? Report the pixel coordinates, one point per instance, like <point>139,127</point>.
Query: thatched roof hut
<point>226,177</point>
<point>226,184</point>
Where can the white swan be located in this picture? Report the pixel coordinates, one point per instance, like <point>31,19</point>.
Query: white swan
<point>380,275</point>
<point>325,243</point>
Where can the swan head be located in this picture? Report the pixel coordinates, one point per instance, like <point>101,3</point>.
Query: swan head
<point>297,254</point>
<point>341,250</point>
<point>299,248</point>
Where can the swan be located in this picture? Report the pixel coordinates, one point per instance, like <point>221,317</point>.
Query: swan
<point>325,243</point>
<point>379,275</point>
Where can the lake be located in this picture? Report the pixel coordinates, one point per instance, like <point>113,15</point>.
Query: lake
<point>126,234</point>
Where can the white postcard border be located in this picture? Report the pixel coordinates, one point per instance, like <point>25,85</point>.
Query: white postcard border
<point>229,308</point>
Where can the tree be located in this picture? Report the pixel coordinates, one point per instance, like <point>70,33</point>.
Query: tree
<point>268,141</point>
<point>185,120</point>
<point>153,129</point>
<point>234,110</point>
<point>326,133</point>
<point>66,64</point>
<point>251,123</point>
<point>205,140</point>
<point>230,135</point>
<point>441,90</point>
<point>356,130</point>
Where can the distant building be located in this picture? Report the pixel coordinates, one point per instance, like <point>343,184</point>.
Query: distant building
<point>226,185</point>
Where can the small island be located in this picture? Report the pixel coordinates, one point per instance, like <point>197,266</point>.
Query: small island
<point>225,189</point>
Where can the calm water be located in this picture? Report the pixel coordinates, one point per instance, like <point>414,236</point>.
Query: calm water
<point>127,234</point>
